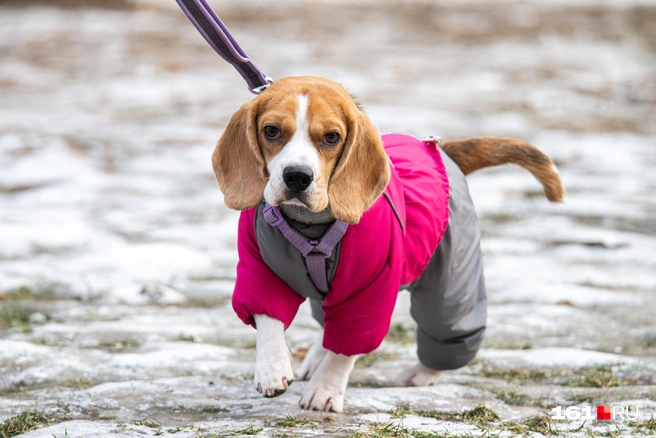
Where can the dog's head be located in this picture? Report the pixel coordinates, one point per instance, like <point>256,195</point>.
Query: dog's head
<point>303,141</point>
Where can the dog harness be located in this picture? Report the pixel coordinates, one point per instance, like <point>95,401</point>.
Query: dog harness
<point>315,252</point>
<point>353,282</point>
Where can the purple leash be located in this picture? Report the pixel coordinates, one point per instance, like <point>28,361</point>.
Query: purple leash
<point>219,37</point>
<point>315,252</point>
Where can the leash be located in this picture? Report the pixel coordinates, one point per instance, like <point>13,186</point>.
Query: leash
<point>217,35</point>
<point>315,252</point>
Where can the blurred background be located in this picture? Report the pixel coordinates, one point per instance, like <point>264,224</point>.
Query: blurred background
<point>117,254</point>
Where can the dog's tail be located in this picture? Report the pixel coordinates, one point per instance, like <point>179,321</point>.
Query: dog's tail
<point>477,153</point>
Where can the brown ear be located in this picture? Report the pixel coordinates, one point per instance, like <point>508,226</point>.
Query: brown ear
<point>362,173</point>
<point>238,163</point>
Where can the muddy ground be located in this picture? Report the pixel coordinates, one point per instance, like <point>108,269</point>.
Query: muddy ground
<point>117,254</point>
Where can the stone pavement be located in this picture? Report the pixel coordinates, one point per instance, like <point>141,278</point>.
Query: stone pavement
<point>117,255</point>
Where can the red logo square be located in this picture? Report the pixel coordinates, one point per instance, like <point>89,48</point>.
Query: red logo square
<point>603,412</point>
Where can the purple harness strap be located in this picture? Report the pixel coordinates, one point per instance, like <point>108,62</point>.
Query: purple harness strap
<point>219,37</point>
<point>315,252</point>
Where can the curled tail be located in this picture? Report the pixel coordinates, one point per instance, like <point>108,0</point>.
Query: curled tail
<point>477,153</point>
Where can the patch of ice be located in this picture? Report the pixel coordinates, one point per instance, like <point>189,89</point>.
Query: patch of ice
<point>13,349</point>
<point>541,292</point>
<point>422,423</point>
<point>176,354</point>
<point>557,357</point>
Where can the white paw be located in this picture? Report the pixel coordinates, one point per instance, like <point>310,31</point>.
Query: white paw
<point>325,392</point>
<point>418,375</point>
<point>273,363</point>
<point>312,360</point>
<point>273,372</point>
<point>321,397</point>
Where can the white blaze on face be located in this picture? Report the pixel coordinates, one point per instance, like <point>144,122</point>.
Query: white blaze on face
<point>298,151</point>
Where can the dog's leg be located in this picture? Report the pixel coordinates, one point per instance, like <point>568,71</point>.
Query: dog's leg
<point>418,375</point>
<point>325,392</point>
<point>273,368</point>
<point>313,359</point>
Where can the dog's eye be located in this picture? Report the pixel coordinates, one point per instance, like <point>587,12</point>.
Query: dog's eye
<point>330,139</point>
<point>272,133</point>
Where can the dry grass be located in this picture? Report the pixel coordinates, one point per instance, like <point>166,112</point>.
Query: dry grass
<point>294,422</point>
<point>479,414</point>
<point>598,377</point>
<point>15,315</point>
<point>390,430</point>
<point>23,423</point>
<point>511,397</point>
<point>368,360</point>
<point>541,424</point>
<point>400,332</point>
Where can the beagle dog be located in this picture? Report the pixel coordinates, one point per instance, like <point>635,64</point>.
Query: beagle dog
<point>375,214</point>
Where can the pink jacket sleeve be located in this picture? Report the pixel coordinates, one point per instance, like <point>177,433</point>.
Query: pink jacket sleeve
<point>358,309</point>
<point>257,289</point>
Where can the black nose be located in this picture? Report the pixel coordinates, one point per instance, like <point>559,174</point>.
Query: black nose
<point>297,178</point>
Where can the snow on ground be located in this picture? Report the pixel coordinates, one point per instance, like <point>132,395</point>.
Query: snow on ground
<point>117,254</point>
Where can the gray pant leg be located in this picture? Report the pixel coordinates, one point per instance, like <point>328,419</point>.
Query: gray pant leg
<point>448,301</point>
<point>317,311</point>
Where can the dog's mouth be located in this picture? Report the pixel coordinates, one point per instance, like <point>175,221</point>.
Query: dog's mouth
<point>307,200</point>
<point>294,201</point>
<point>297,199</point>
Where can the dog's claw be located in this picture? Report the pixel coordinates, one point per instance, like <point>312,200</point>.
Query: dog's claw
<point>322,399</point>
<point>275,392</point>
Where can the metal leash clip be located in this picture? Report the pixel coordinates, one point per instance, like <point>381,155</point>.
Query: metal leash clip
<point>437,141</point>
<point>261,88</point>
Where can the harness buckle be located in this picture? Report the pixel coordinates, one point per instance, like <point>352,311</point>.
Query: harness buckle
<point>319,249</point>
<point>270,210</point>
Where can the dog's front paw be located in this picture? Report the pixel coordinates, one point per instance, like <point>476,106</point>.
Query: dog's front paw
<point>418,375</point>
<point>325,392</point>
<point>273,373</point>
<point>312,360</point>
<point>322,397</point>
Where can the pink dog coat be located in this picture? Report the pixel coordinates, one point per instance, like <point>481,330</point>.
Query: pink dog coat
<point>376,256</point>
